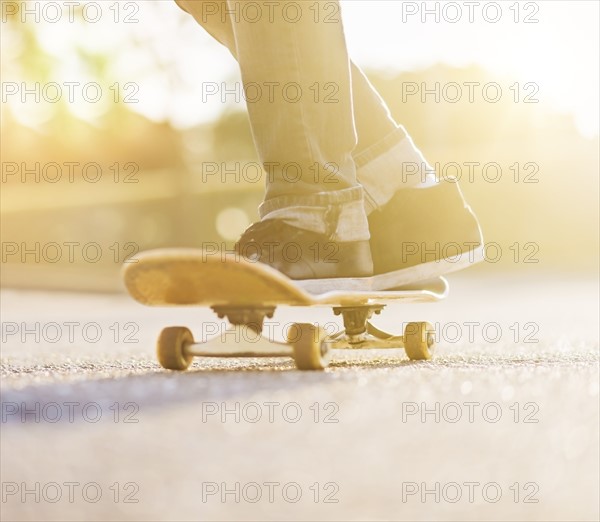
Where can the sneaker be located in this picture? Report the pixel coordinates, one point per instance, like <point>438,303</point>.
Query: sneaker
<point>422,234</point>
<point>305,255</point>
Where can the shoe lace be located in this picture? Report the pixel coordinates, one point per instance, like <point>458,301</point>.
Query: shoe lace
<point>255,233</point>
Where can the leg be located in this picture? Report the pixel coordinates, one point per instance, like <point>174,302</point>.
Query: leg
<point>376,130</point>
<point>300,140</point>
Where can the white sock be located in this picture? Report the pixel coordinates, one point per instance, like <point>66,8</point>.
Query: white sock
<point>401,167</point>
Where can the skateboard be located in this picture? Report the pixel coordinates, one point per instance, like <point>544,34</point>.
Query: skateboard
<point>247,292</point>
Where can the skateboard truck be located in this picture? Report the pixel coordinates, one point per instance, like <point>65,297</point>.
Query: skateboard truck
<point>356,319</point>
<point>359,333</point>
<point>251,317</point>
<point>306,344</point>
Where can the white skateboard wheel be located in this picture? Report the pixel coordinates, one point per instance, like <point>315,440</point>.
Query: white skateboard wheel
<point>170,348</point>
<point>419,341</point>
<point>310,350</point>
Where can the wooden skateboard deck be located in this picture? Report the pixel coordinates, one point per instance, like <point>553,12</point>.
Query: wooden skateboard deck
<point>246,292</point>
<point>191,277</point>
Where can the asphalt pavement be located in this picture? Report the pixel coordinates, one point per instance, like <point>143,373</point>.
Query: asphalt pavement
<point>501,425</point>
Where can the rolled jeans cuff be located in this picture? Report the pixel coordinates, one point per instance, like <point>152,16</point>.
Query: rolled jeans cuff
<point>339,214</point>
<point>389,165</point>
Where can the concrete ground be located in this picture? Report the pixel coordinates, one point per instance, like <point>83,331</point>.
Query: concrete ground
<point>501,425</point>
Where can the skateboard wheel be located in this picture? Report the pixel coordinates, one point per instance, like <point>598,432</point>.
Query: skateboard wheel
<point>170,348</point>
<point>418,341</point>
<point>310,350</point>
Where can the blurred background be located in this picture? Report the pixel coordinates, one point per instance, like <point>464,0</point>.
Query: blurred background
<point>122,166</point>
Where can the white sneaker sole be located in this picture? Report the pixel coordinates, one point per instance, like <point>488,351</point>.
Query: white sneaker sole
<point>397,278</point>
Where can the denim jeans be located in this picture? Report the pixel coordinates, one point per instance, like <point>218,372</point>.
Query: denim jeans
<point>326,138</point>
